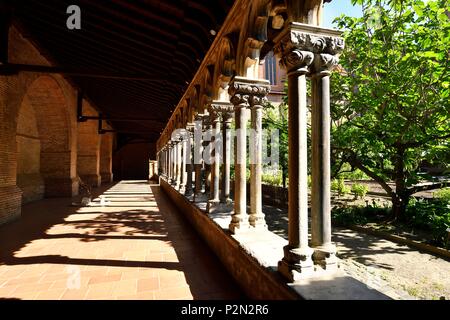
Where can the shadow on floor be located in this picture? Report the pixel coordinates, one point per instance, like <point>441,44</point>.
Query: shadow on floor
<point>204,273</point>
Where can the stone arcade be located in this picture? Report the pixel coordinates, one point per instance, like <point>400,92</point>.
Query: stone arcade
<point>139,81</point>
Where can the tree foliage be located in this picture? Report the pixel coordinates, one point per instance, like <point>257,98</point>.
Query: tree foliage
<point>390,107</point>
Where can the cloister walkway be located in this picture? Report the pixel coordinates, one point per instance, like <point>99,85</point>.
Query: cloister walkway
<point>130,243</point>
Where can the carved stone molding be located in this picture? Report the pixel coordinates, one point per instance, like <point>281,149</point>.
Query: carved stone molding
<point>221,109</point>
<point>323,63</point>
<point>246,92</point>
<point>199,117</point>
<point>299,45</point>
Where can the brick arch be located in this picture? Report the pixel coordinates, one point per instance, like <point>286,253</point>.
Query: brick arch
<point>51,110</point>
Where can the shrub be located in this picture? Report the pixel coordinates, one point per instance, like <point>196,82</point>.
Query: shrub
<point>352,174</point>
<point>432,215</point>
<point>442,194</point>
<point>272,179</point>
<point>359,214</point>
<point>359,190</point>
<point>339,186</point>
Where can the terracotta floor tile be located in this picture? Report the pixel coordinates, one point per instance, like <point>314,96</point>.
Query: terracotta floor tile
<point>100,291</point>
<point>149,284</point>
<point>6,292</point>
<point>173,293</point>
<point>53,294</point>
<point>107,278</point>
<point>26,288</point>
<point>149,295</point>
<point>125,287</point>
<point>170,281</point>
<point>74,294</point>
<point>120,252</point>
<point>22,280</point>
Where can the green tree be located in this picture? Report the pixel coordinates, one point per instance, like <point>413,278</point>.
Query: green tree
<point>275,118</point>
<point>390,104</point>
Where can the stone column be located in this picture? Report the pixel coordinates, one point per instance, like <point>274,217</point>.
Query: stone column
<point>227,118</point>
<point>217,111</point>
<point>198,157</point>
<point>189,160</point>
<point>297,47</point>
<point>239,93</point>
<point>178,161</point>
<point>172,162</point>
<point>164,170</point>
<point>167,161</point>
<point>297,262</point>
<point>324,249</point>
<point>214,200</point>
<point>183,152</point>
<point>257,100</point>
<point>207,156</point>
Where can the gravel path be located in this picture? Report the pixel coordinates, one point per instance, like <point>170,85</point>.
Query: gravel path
<point>399,271</point>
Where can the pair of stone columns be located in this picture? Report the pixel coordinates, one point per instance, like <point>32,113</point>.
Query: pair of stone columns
<point>199,165</point>
<point>308,51</point>
<point>220,117</point>
<point>248,94</point>
<point>178,159</point>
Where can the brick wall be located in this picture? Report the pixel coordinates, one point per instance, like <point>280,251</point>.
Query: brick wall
<point>53,101</point>
<point>106,157</point>
<point>29,178</point>
<point>88,162</point>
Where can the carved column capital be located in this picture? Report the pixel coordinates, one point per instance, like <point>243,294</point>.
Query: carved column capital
<point>300,46</point>
<point>190,127</point>
<point>199,117</point>
<point>324,63</point>
<point>246,92</point>
<point>223,109</point>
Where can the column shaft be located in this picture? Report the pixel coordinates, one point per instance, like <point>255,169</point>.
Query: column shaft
<point>215,177</point>
<point>189,161</point>
<point>256,215</point>
<point>321,172</point>
<point>225,197</point>
<point>297,262</point>
<point>239,218</point>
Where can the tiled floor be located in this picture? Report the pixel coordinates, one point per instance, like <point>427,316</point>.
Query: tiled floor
<point>134,245</point>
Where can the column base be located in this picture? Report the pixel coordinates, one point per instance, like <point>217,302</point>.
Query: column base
<point>200,197</point>
<point>325,257</point>
<point>239,225</point>
<point>223,208</point>
<point>258,221</point>
<point>226,201</point>
<point>188,192</point>
<point>212,205</point>
<point>297,263</point>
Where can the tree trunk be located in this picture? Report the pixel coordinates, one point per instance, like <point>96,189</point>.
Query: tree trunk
<point>400,197</point>
<point>399,204</point>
